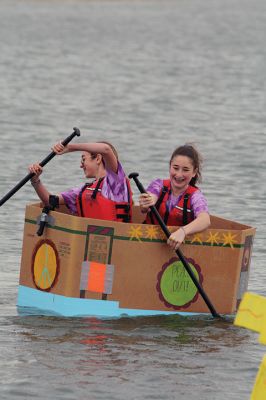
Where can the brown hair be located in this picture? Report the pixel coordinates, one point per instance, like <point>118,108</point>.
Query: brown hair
<point>93,155</point>
<point>191,152</point>
<point>112,147</point>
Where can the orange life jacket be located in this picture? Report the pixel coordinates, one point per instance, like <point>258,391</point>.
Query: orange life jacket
<point>91,204</point>
<point>181,214</point>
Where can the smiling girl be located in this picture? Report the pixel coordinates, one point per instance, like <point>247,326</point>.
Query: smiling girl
<point>178,200</point>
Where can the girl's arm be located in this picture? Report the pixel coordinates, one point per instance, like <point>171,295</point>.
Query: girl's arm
<point>104,149</point>
<point>39,188</point>
<point>199,224</point>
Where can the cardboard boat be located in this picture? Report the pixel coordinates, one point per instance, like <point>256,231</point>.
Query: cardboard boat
<point>88,267</point>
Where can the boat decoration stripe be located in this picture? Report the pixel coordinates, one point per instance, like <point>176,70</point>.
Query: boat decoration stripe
<point>152,233</point>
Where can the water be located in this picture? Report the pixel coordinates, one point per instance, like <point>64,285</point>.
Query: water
<point>146,75</point>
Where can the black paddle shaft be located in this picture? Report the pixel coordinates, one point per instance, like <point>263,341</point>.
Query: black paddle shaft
<point>76,132</point>
<point>179,253</point>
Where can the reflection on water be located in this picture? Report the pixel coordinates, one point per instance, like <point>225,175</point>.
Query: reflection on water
<point>89,351</point>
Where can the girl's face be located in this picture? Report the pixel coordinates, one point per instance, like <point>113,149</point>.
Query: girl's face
<point>88,164</point>
<point>181,172</point>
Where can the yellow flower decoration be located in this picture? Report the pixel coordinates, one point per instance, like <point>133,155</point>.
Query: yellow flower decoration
<point>152,232</point>
<point>213,238</point>
<point>229,239</point>
<point>135,232</point>
<point>197,238</point>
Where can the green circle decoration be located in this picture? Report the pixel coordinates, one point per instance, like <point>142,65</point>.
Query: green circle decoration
<point>176,288</point>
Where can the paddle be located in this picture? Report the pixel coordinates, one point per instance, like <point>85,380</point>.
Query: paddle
<point>180,255</point>
<point>19,185</point>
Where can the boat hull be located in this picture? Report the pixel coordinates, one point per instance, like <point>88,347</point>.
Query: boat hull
<point>33,301</point>
<point>88,267</point>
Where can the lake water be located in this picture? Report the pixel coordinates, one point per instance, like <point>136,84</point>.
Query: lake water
<point>147,76</point>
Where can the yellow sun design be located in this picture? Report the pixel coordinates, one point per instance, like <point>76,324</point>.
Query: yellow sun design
<point>197,238</point>
<point>229,239</point>
<point>152,232</point>
<point>213,238</point>
<point>135,232</point>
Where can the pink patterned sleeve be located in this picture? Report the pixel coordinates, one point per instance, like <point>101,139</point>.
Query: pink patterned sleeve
<point>199,203</point>
<point>115,185</point>
<point>70,197</point>
<point>155,187</point>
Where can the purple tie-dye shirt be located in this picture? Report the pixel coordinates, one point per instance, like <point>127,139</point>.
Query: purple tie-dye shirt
<point>114,188</point>
<point>198,200</point>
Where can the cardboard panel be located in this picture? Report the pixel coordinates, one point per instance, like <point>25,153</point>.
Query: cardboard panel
<point>147,273</point>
